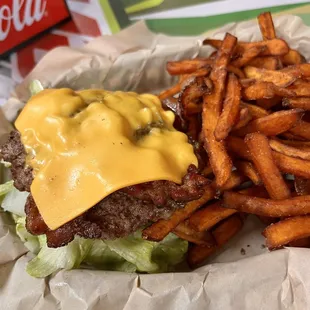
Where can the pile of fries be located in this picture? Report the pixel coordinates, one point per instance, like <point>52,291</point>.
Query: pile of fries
<point>248,106</point>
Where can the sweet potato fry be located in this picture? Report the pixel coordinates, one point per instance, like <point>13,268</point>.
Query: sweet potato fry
<point>170,91</point>
<point>265,90</point>
<point>200,72</point>
<point>275,47</point>
<point>267,29</point>
<point>247,82</point>
<point>256,191</point>
<point>295,166</point>
<point>269,103</point>
<point>293,57</point>
<point>295,206</point>
<point>285,163</point>
<point>299,88</point>
<point>184,231</point>
<point>231,109</point>
<point>207,171</point>
<point>285,149</point>
<point>260,151</point>
<point>244,118</point>
<point>266,26</point>
<point>302,145</point>
<point>209,83</point>
<point>256,111</point>
<point>227,229</point>
<point>301,129</point>
<point>219,159</point>
<point>248,169</point>
<point>267,62</point>
<point>302,186</point>
<point>290,136</point>
<point>159,230</point>
<point>190,96</point>
<point>238,147</point>
<point>299,103</point>
<point>299,71</point>
<point>278,78</point>
<point>286,231</point>
<point>273,124</point>
<point>198,67</point>
<point>213,42</point>
<point>234,180</point>
<point>247,56</point>
<point>187,66</point>
<point>186,79</point>
<point>236,71</point>
<point>222,234</point>
<point>206,218</point>
<point>197,254</point>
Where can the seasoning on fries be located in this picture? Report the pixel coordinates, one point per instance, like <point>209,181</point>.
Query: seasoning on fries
<point>286,231</point>
<point>262,158</point>
<point>267,207</point>
<point>222,234</point>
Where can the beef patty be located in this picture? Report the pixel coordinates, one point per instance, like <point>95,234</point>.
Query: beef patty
<point>118,215</point>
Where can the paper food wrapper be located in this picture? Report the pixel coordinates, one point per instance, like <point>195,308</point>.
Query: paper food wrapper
<point>243,276</point>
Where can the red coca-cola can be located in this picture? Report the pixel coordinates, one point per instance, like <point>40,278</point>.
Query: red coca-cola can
<point>23,20</point>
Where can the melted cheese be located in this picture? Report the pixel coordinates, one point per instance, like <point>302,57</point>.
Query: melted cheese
<point>85,145</point>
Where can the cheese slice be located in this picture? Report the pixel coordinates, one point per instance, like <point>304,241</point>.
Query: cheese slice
<point>85,145</point>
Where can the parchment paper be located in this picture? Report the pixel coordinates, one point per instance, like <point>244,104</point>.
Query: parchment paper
<point>135,60</point>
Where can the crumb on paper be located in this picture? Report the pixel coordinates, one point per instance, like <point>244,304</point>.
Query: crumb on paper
<point>248,245</point>
<point>263,246</point>
<point>242,251</point>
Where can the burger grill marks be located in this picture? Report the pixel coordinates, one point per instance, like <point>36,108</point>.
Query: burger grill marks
<point>118,215</point>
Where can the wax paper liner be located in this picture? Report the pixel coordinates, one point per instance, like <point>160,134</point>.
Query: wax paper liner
<point>243,276</point>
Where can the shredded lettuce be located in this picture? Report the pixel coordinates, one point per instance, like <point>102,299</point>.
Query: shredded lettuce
<point>15,201</point>
<point>136,251</point>
<point>126,254</point>
<point>6,188</point>
<point>150,256</point>
<point>31,242</point>
<point>50,260</point>
<point>102,257</point>
<point>169,252</point>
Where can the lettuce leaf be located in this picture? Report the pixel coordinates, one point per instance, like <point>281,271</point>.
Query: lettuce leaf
<point>50,260</point>
<point>170,252</point>
<point>136,251</point>
<point>31,242</point>
<point>14,202</point>
<point>150,256</point>
<point>5,188</point>
<point>102,257</point>
<point>126,254</point>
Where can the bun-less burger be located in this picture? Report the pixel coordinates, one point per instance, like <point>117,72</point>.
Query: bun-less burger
<point>99,165</point>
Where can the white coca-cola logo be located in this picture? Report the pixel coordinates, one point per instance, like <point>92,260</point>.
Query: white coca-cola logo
<point>11,17</point>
